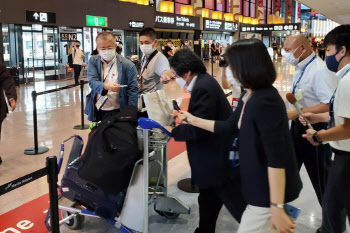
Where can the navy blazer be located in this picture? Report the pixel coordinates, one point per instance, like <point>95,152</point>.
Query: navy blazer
<point>127,75</point>
<point>208,154</point>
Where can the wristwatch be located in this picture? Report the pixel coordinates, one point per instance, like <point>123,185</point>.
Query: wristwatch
<point>281,206</point>
<point>315,138</point>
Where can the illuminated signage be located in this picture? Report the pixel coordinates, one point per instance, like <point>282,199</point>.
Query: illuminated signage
<point>136,24</point>
<point>96,21</point>
<point>171,21</point>
<point>267,27</point>
<point>40,17</point>
<point>219,25</point>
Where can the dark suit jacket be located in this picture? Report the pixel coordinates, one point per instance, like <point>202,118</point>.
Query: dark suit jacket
<point>207,153</point>
<point>7,84</point>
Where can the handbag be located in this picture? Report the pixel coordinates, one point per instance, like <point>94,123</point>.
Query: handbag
<point>159,107</point>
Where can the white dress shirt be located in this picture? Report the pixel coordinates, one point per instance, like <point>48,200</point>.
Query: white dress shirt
<point>110,75</point>
<point>342,106</point>
<point>317,85</point>
<point>190,86</point>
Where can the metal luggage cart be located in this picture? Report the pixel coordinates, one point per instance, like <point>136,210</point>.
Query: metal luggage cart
<point>140,195</point>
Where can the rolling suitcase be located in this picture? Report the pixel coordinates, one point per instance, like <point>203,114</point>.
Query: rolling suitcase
<point>89,195</point>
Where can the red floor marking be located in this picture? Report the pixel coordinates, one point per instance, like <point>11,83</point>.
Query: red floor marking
<point>29,217</point>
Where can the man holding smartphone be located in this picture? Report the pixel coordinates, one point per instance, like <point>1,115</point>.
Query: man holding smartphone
<point>112,79</point>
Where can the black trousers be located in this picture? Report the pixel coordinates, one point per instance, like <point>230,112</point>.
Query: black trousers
<point>77,69</point>
<point>336,202</point>
<point>317,160</point>
<point>101,115</point>
<point>211,201</point>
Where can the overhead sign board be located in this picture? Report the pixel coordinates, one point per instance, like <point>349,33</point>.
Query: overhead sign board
<point>69,35</point>
<point>136,24</point>
<point>96,21</point>
<point>219,25</point>
<point>40,17</point>
<point>171,21</point>
<point>270,27</point>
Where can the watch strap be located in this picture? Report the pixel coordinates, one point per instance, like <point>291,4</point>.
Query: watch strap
<point>281,206</point>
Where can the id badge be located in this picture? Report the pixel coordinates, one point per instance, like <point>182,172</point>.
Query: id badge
<point>100,102</point>
<point>299,95</point>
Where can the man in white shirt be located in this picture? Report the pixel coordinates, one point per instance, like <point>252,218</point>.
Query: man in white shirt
<point>313,87</point>
<point>78,57</point>
<point>337,194</point>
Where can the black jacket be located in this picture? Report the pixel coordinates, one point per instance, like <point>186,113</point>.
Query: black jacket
<point>7,84</point>
<point>264,141</point>
<point>207,153</point>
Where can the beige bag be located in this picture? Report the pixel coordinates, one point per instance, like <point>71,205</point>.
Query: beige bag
<point>159,107</point>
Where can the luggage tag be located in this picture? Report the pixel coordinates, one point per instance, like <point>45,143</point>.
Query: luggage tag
<point>100,102</point>
<point>234,154</point>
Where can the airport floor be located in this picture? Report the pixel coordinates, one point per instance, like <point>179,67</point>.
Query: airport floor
<point>57,114</point>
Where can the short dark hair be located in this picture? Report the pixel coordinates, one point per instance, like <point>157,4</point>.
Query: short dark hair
<point>185,60</point>
<point>251,64</point>
<point>339,36</point>
<point>149,32</point>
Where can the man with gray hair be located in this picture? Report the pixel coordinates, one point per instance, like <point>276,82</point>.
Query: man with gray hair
<point>112,79</point>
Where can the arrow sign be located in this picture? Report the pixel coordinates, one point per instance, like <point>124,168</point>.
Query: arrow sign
<point>36,15</point>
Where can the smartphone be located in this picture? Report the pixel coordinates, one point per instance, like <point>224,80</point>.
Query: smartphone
<point>292,211</point>
<point>100,102</point>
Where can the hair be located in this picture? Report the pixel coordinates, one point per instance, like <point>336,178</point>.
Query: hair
<point>339,36</point>
<point>185,60</point>
<point>251,64</point>
<point>105,36</point>
<point>170,41</point>
<point>149,32</point>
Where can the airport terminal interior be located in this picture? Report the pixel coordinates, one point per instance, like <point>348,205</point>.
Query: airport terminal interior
<point>34,46</point>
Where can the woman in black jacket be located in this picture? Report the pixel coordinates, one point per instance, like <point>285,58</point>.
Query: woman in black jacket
<point>269,171</point>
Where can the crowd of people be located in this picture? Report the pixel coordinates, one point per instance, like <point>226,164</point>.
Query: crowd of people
<point>271,153</point>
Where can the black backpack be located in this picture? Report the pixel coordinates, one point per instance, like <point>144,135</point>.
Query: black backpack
<point>111,152</point>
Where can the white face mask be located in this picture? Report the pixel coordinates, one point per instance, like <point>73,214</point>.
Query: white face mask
<point>147,49</point>
<point>290,57</point>
<point>107,54</point>
<point>170,45</point>
<point>181,82</point>
<point>230,77</point>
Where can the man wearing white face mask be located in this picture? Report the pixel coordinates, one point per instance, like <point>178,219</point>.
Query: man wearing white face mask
<point>154,65</point>
<point>112,79</point>
<point>313,87</point>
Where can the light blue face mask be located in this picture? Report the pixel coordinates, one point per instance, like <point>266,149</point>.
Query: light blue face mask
<point>182,82</point>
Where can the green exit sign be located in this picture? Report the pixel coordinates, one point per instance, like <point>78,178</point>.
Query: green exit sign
<point>96,21</point>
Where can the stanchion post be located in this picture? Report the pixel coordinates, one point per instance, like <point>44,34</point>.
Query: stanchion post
<point>212,66</point>
<point>82,126</point>
<point>52,178</point>
<point>36,149</point>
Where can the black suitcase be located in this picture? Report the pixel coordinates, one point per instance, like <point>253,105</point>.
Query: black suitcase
<point>89,195</point>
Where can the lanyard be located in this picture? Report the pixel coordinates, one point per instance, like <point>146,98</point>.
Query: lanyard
<point>105,76</point>
<point>331,105</point>
<point>301,75</point>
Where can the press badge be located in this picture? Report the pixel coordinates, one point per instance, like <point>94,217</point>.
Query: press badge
<point>299,95</point>
<point>100,102</point>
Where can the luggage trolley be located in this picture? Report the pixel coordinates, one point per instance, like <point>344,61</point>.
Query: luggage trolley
<point>141,193</point>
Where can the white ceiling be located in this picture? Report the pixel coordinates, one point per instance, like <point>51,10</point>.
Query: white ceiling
<point>336,10</point>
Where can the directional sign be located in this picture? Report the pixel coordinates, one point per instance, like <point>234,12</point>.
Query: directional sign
<point>96,21</point>
<point>136,24</point>
<point>69,35</point>
<point>40,17</point>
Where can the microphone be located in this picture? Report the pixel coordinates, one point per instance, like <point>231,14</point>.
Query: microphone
<point>291,99</point>
<point>176,106</point>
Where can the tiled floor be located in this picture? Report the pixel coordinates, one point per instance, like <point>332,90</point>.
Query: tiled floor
<point>57,114</point>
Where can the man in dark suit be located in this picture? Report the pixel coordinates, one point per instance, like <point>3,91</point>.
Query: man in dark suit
<point>7,84</point>
<point>218,182</point>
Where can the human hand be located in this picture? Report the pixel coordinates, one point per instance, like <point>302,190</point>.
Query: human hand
<point>115,87</point>
<point>308,136</point>
<point>186,117</point>
<point>311,117</point>
<point>281,221</point>
<point>165,79</point>
<point>292,114</point>
<point>12,102</point>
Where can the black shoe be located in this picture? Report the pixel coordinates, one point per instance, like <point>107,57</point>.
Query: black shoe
<point>0,161</point>
<point>319,230</point>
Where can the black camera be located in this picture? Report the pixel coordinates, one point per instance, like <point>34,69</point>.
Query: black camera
<point>223,62</point>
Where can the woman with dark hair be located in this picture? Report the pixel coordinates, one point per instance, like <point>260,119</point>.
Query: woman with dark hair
<point>269,171</point>
<point>219,183</point>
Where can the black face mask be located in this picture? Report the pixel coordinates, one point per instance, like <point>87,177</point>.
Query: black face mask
<point>332,62</point>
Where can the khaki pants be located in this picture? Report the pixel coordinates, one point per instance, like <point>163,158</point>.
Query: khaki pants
<point>255,220</point>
